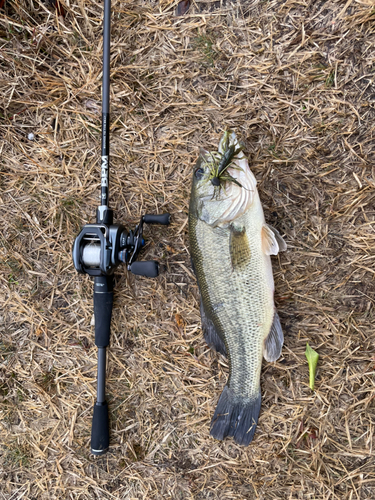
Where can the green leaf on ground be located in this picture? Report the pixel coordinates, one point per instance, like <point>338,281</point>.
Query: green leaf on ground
<point>312,360</point>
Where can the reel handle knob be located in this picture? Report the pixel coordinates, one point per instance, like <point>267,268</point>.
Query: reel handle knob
<point>163,219</point>
<point>147,268</point>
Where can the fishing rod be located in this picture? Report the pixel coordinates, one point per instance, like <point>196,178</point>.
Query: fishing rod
<point>100,248</point>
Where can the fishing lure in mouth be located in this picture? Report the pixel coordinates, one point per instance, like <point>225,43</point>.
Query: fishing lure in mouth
<point>219,162</point>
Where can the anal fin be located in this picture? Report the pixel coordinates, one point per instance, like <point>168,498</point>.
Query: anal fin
<point>210,334</point>
<point>274,341</point>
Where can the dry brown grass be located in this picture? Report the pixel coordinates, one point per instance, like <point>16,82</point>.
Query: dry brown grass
<point>295,79</point>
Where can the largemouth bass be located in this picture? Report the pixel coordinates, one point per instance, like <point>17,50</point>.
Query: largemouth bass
<point>230,246</point>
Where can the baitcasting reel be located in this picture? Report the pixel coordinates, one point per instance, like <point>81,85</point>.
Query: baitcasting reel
<point>100,248</point>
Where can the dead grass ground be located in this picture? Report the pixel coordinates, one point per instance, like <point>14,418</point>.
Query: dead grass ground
<point>295,79</point>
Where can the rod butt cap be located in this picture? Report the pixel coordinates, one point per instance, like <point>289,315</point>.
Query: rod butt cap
<point>100,429</point>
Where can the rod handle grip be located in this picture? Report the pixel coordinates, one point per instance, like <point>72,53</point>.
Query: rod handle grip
<point>103,304</point>
<point>147,268</point>
<point>163,219</point>
<point>100,429</point>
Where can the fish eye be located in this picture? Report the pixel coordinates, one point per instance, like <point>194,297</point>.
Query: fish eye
<point>199,173</point>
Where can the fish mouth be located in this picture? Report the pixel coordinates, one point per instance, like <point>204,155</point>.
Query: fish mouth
<point>227,189</point>
<point>221,205</point>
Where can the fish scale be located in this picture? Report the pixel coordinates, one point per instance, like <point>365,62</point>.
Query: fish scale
<point>231,259</point>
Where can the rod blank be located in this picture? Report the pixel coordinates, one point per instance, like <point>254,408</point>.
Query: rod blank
<point>105,103</point>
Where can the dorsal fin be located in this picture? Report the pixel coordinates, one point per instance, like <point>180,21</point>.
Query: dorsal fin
<point>210,333</point>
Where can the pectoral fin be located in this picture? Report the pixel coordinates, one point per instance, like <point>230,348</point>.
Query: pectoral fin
<point>210,334</point>
<point>280,240</point>
<point>272,241</point>
<point>274,341</point>
<point>239,248</point>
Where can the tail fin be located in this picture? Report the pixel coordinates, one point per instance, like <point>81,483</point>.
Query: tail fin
<point>235,416</point>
